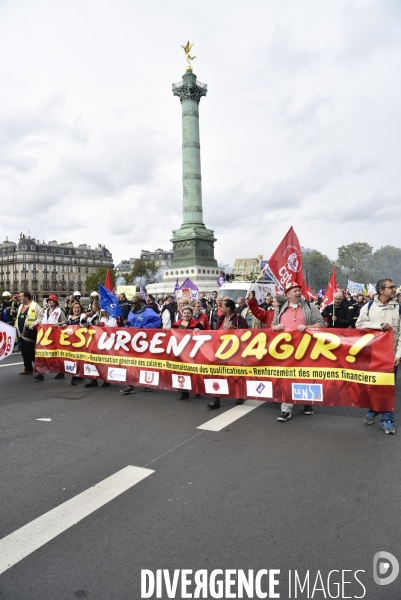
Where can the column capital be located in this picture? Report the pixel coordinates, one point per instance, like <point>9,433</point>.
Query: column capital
<point>189,88</point>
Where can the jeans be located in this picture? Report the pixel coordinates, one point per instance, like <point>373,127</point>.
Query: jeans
<point>389,415</point>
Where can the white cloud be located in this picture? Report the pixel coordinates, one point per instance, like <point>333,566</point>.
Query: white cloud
<point>299,127</point>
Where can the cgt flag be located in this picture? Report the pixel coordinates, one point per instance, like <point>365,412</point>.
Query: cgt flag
<point>109,302</point>
<point>285,264</point>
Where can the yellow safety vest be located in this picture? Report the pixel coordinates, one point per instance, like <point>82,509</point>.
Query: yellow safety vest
<point>30,315</point>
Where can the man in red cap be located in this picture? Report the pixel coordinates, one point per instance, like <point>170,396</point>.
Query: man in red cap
<point>298,314</point>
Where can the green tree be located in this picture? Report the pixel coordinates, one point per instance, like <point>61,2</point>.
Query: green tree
<point>386,262</point>
<point>99,276</point>
<point>356,260</point>
<point>145,269</point>
<point>317,268</point>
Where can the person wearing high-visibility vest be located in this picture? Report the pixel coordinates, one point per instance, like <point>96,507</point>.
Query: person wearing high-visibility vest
<point>29,315</point>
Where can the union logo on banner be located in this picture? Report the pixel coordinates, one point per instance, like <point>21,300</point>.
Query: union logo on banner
<point>181,381</point>
<point>7,340</point>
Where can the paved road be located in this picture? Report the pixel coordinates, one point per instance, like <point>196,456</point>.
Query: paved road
<point>315,494</point>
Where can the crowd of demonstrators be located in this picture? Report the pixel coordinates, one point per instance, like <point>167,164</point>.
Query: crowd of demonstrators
<point>289,311</point>
<point>383,313</point>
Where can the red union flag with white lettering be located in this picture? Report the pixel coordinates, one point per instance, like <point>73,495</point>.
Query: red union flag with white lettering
<point>285,263</point>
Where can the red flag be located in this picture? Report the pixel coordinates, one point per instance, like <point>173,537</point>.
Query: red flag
<point>332,288</point>
<point>285,263</point>
<point>108,284</point>
<point>309,294</point>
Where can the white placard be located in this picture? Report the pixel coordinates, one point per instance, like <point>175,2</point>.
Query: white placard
<point>149,377</point>
<point>70,367</point>
<point>116,374</point>
<point>90,370</point>
<point>182,382</point>
<point>259,389</point>
<point>216,386</point>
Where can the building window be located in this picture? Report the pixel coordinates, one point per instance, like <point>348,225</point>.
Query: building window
<point>45,267</point>
<point>62,267</point>
<point>71,269</point>
<point>54,268</point>
<point>15,267</point>
<point>46,287</point>
<point>24,267</point>
<point>86,270</point>
<point>24,257</point>
<point>34,275</point>
<point>44,275</point>
<point>79,269</point>
<point>79,277</point>
<point>63,277</point>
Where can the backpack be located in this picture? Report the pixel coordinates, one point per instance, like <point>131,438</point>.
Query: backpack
<point>371,302</point>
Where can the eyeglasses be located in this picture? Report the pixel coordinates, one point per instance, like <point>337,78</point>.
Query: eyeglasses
<point>134,303</point>
<point>390,287</point>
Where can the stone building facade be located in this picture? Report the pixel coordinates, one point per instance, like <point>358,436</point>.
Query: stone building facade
<point>50,268</point>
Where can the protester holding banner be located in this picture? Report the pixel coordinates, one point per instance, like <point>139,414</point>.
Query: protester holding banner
<point>298,314</point>
<point>29,315</point>
<point>53,315</point>
<point>93,315</point>
<point>187,322</point>
<point>383,313</point>
<point>338,314</point>
<point>141,317</point>
<point>229,319</point>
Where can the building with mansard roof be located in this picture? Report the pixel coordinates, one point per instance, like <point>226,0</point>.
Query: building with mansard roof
<point>50,268</point>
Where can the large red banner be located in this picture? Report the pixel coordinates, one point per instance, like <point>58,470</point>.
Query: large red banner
<point>347,367</point>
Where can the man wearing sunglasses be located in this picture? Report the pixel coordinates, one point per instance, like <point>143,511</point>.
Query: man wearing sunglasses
<point>383,313</point>
<point>141,317</point>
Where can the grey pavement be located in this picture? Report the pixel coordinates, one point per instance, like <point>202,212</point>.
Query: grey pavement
<point>318,493</point>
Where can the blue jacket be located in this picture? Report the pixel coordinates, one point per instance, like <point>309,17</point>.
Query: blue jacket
<point>145,319</point>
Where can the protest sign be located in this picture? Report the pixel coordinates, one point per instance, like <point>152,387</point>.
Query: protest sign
<point>350,367</point>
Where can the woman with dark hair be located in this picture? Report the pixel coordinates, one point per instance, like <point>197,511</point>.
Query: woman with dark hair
<point>229,319</point>
<point>150,303</point>
<point>77,317</point>
<point>187,322</point>
<point>279,301</point>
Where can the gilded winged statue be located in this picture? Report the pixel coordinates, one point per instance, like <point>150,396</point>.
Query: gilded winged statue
<point>187,50</point>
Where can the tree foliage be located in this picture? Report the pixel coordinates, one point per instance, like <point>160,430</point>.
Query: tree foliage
<point>356,260</point>
<point>99,277</point>
<point>144,269</point>
<point>316,268</point>
<point>386,262</point>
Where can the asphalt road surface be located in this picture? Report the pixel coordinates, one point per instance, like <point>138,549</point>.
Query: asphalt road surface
<point>113,485</point>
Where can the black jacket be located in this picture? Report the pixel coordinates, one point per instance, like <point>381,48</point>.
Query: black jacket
<point>125,306</point>
<point>342,312</point>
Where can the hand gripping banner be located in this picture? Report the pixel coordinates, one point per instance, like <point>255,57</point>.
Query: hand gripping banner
<point>348,367</point>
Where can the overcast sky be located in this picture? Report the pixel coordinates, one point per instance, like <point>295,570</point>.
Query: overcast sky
<point>301,124</point>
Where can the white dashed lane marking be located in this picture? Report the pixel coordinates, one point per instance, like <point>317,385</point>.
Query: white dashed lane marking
<point>11,364</point>
<point>32,536</point>
<point>218,423</point>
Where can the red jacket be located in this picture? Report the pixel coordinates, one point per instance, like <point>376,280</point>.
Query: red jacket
<point>266,316</point>
<point>193,324</point>
<point>203,320</point>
